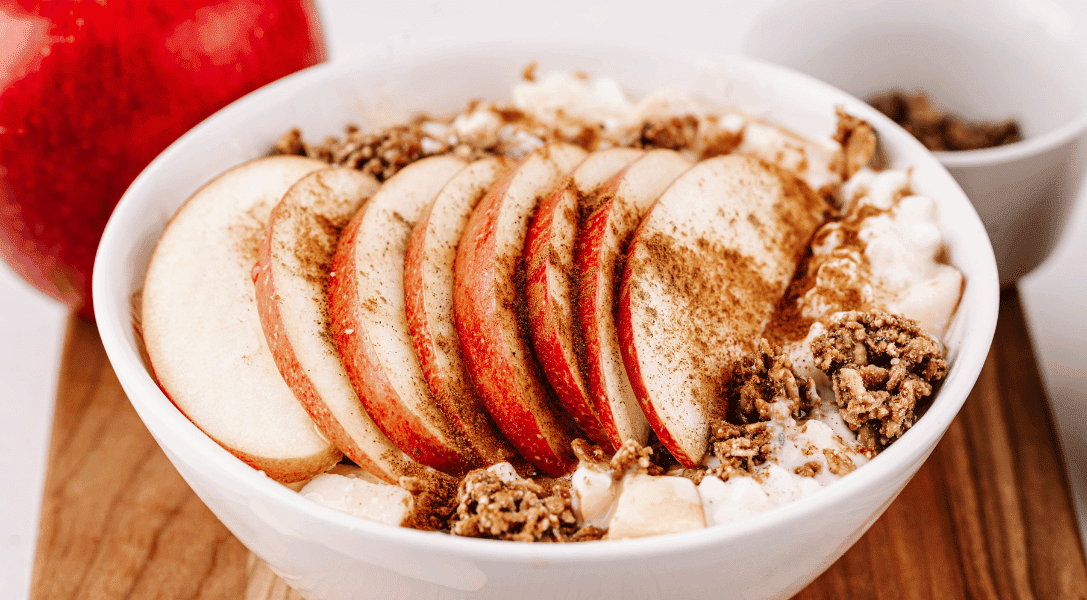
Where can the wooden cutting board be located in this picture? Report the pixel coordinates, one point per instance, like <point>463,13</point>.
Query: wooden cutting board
<point>988,515</point>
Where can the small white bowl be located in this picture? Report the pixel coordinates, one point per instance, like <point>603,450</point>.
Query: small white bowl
<point>979,59</point>
<point>329,555</point>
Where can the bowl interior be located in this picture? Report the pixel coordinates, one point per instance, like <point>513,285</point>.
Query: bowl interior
<point>982,60</point>
<point>323,99</point>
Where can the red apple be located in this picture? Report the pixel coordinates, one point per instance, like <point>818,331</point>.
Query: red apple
<point>601,246</point>
<point>703,273</point>
<point>490,312</point>
<point>552,283</point>
<point>90,92</point>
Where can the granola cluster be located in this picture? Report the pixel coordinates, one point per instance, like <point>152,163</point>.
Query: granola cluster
<point>380,154</point>
<point>632,457</point>
<point>881,366</point>
<point>486,129</point>
<point>519,510</point>
<point>764,377</point>
<point>938,130</point>
<point>742,440</point>
<point>740,447</point>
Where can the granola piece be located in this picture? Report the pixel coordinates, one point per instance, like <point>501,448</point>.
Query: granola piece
<point>588,452</point>
<point>811,469</point>
<point>838,463</point>
<point>881,366</point>
<point>519,510</point>
<point>635,458</point>
<point>434,500</point>
<point>858,141</point>
<point>941,131</point>
<point>290,143</point>
<point>741,447</point>
<point>588,533</point>
<point>381,154</point>
<point>673,133</point>
<point>764,377</point>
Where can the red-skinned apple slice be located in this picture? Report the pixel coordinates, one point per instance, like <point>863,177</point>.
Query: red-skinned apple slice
<point>703,273</point>
<point>602,242</point>
<point>551,284</point>
<point>369,321</point>
<point>428,288</point>
<point>202,331</point>
<point>292,299</point>
<point>491,317</point>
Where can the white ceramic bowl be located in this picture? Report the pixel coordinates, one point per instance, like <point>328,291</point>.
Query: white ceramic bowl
<point>330,555</point>
<point>981,59</point>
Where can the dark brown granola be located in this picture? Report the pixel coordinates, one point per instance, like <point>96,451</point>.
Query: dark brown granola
<point>938,130</point>
<point>810,469</point>
<point>762,378</point>
<point>674,133</point>
<point>380,154</point>
<point>520,510</point>
<point>434,497</point>
<point>881,366</point>
<point>740,447</point>
<point>634,458</point>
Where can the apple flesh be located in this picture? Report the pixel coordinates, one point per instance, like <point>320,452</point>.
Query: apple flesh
<point>90,92</point>
<point>370,323</point>
<point>704,271</point>
<point>602,243</point>
<point>491,318</point>
<point>428,289</point>
<point>202,331</point>
<point>552,283</point>
<point>292,301</point>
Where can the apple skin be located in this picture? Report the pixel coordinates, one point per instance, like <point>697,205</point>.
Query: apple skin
<point>369,322</point>
<point>552,284</point>
<point>703,272</point>
<point>428,301</point>
<point>289,301</point>
<point>488,307</point>
<point>602,245</point>
<point>91,92</point>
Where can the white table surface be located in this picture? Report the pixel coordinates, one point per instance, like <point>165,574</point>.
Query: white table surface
<point>32,327</point>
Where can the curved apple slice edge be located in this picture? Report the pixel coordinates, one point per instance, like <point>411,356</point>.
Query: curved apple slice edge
<point>304,354</point>
<point>552,283</point>
<point>601,245</point>
<point>369,321</point>
<point>429,298</point>
<point>487,300</point>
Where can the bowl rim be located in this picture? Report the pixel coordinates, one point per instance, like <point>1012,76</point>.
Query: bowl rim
<point>163,418</point>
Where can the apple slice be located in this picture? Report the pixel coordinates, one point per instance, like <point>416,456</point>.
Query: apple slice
<point>370,325</point>
<point>490,312</point>
<point>703,273</point>
<point>602,243</point>
<point>201,328</point>
<point>428,289</point>
<point>292,299</point>
<point>551,283</point>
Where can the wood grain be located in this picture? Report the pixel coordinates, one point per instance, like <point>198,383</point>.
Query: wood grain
<point>117,519</point>
<point>988,515</point>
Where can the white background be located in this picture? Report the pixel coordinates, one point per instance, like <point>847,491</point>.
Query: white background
<point>32,327</point>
